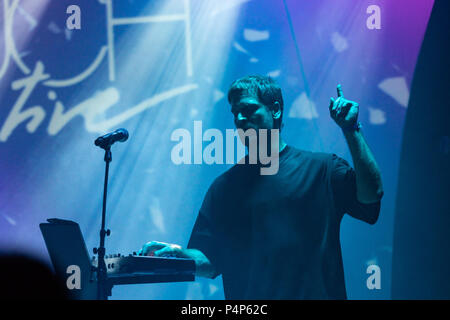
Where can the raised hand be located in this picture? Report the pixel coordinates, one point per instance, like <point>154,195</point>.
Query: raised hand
<point>344,112</point>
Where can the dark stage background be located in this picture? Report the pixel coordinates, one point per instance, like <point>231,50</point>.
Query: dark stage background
<point>60,89</point>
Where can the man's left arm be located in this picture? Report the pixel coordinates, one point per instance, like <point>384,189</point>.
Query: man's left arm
<point>369,188</point>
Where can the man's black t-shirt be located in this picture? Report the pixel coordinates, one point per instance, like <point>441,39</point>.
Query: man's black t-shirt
<point>277,236</point>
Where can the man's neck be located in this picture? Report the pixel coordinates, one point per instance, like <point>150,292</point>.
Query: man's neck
<point>281,145</point>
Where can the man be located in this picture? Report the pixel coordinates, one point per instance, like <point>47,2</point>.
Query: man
<point>277,236</point>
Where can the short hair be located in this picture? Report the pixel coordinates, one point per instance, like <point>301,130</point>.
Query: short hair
<point>263,87</point>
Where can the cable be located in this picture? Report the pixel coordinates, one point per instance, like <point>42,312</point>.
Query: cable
<point>302,71</point>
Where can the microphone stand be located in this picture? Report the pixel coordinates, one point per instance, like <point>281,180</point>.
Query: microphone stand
<point>103,286</point>
<point>105,142</point>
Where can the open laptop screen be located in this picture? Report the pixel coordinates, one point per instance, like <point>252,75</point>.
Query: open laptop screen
<point>68,253</point>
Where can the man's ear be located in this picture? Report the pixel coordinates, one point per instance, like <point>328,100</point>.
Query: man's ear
<point>276,110</point>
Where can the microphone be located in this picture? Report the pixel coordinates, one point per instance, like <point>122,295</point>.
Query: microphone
<point>109,139</point>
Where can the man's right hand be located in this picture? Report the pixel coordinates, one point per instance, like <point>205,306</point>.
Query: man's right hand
<point>162,249</point>
<point>203,266</point>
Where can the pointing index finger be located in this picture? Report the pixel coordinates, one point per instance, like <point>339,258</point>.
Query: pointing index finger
<point>339,91</point>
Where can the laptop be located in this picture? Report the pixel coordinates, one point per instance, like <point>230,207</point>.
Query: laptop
<point>70,257</point>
